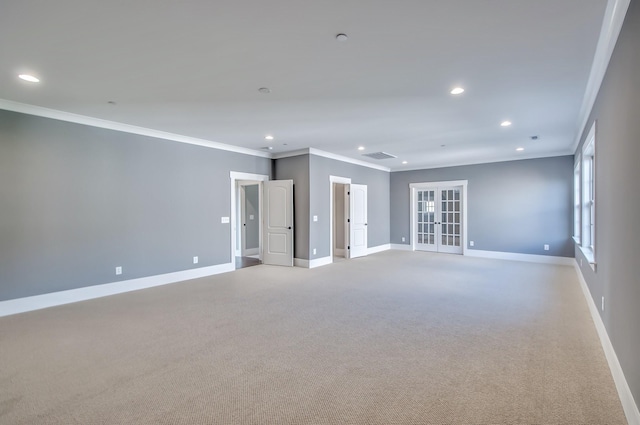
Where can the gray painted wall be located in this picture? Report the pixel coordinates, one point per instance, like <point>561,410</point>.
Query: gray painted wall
<point>320,168</point>
<point>252,209</point>
<point>77,201</point>
<point>515,206</point>
<point>618,199</point>
<point>296,168</point>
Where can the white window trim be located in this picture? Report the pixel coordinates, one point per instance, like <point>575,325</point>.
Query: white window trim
<point>577,199</point>
<point>587,242</point>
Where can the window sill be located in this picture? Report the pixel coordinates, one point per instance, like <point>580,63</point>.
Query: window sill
<point>576,239</point>
<point>589,255</point>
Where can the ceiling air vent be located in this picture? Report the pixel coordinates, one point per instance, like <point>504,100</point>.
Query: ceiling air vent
<point>379,155</point>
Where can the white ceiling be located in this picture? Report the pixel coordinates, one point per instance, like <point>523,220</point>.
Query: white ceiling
<point>193,68</point>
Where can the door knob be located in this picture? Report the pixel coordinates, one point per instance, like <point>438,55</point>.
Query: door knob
<point>289,227</point>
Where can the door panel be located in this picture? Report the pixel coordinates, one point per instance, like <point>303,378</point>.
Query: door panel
<point>357,194</point>
<point>426,225</point>
<point>278,222</point>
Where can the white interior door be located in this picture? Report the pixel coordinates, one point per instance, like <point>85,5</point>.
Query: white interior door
<point>439,219</point>
<point>278,223</point>
<point>357,200</point>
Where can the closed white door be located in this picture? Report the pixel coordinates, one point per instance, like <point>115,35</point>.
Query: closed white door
<point>439,219</point>
<point>278,223</point>
<point>357,200</point>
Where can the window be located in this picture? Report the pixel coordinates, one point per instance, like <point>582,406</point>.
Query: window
<point>588,198</point>
<point>577,207</point>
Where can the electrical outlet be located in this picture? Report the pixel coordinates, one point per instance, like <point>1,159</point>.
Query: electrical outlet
<point>195,260</point>
<point>546,247</point>
<point>472,243</point>
<point>403,239</point>
<point>602,304</point>
<point>118,270</point>
<point>315,218</point>
<point>224,220</point>
<point>314,251</point>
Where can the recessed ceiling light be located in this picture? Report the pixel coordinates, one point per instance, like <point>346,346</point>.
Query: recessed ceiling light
<point>264,90</point>
<point>404,162</point>
<point>111,102</point>
<point>535,137</point>
<point>505,123</point>
<point>457,90</point>
<point>519,149</point>
<point>29,78</point>
<point>342,37</point>
<point>360,148</point>
<point>268,137</point>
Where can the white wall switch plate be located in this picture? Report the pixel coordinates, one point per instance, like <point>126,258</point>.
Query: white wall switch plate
<point>314,251</point>
<point>315,218</point>
<point>403,239</point>
<point>472,243</point>
<point>118,270</point>
<point>602,305</point>
<point>546,247</point>
<point>250,216</point>
<point>224,219</point>
<point>195,260</point>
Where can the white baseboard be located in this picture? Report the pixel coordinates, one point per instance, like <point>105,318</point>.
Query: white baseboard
<point>301,262</point>
<point>531,258</point>
<point>401,247</point>
<point>379,248</point>
<point>624,392</point>
<point>37,302</point>
<point>310,264</point>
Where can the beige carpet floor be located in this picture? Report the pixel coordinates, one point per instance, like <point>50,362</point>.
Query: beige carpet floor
<point>394,338</point>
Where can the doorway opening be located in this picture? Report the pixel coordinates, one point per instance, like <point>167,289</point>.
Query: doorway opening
<point>248,219</point>
<point>273,215</point>
<point>348,219</point>
<point>339,228</point>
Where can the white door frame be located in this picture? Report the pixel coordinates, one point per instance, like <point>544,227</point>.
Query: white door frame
<point>413,187</point>
<point>332,180</point>
<point>236,176</point>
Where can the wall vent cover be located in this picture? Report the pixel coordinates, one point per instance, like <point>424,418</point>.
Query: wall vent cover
<point>379,155</point>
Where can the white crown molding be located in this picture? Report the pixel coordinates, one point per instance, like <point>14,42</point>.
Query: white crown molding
<point>488,161</point>
<point>318,152</point>
<point>37,302</point>
<point>125,128</point>
<point>624,392</point>
<point>611,26</point>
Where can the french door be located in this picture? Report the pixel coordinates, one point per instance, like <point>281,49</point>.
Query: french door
<point>438,222</point>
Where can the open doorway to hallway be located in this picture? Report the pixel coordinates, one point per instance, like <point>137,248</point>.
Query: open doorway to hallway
<point>247,231</point>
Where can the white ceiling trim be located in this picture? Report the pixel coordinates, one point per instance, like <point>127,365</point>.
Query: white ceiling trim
<point>126,128</point>
<point>318,152</point>
<point>462,164</point>
<point>611,26</point>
